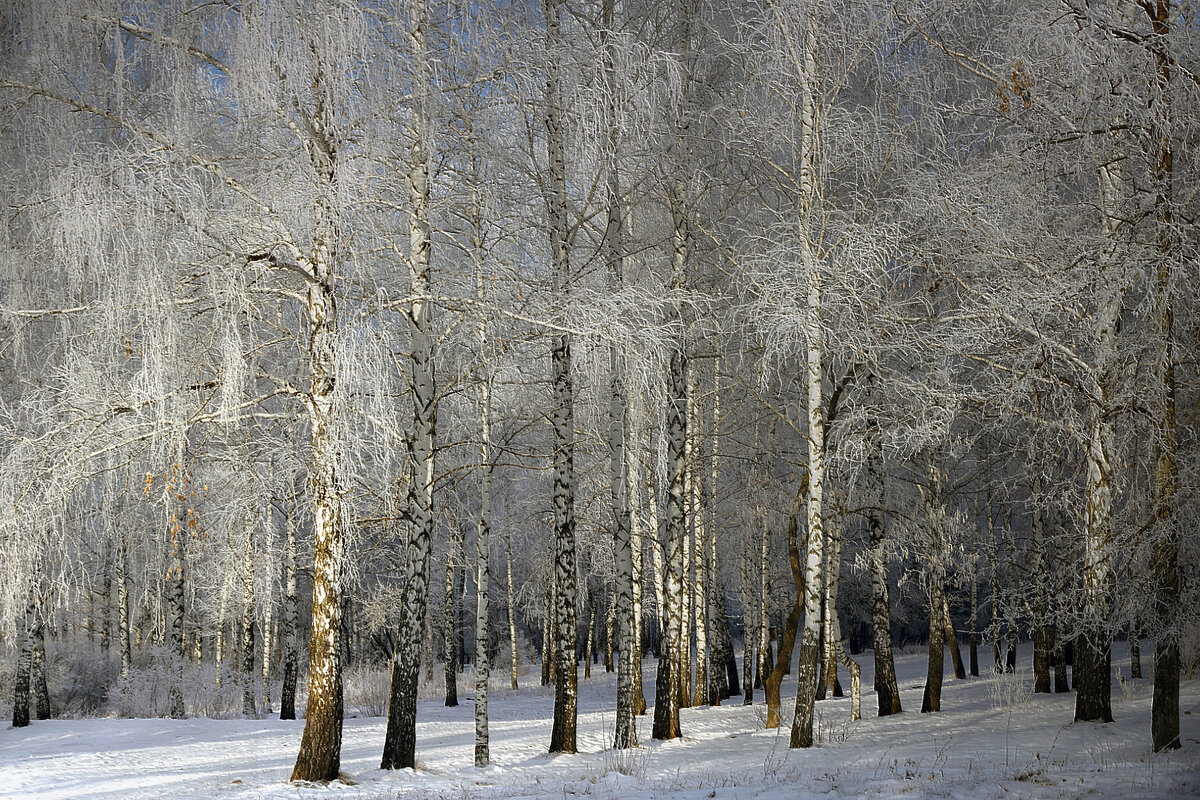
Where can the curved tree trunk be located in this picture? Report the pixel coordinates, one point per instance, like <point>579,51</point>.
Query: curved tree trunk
<point>775,679</point>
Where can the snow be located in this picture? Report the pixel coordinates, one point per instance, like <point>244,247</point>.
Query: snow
<point>1026,749</point>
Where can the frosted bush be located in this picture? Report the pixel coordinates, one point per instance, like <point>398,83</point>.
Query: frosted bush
<point>78,679</point>
<point>1010,691</point>
<point>365,690</point>
<point>145,693</point>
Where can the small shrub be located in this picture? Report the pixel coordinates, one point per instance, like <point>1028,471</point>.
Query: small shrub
<point>366,690</point>
<point>1010,691</point>
<point>631,761</point>
<point>78,679</point>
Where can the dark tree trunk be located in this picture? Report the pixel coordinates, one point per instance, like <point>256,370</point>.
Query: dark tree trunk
<point>931,701</point>
<point>287,695</point>
<point>1061,684</point>
<point>1093,702</point>
<point>960,672</point>
<point>24,665</point>
<point>1041,658</point>
<point>37,669</point>
<point>773,681</point>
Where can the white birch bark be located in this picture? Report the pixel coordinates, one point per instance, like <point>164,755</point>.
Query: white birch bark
<point>633,476</point>
<point>700,692</point>
<point>1164,722</point>
<point>484,527</point>
<point>1093,698</point>
<point>512,615</point>
<point>124,644</point>
<point>562,736</point>
<point>802,723</point>
<point>399,748</point>
<point>886,687</point>
<point>177,524</point>
<point>287,695</point>
<point>246,638</point>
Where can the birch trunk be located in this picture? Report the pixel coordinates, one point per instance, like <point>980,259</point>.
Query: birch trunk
<point>21,680</point>
<point>178,530</point>
<point>764,614</point>
<point>993,591</point>
<point>266,653</point>
<point>886,689</point>
<point>123,633</point>
<point>562,735</point>
<point>633,472</point>
<point>624,609</point>
<point>449,626</point>
<point>931,700</point>
<point>246,639</point>
<point>748,623</point>
<point>960,672</point>
<point>683,663</point>
<point>106,603</point>
<point>833,571</point>
<point>512,615</point>
<point>1042,637</point>
<point>484,529</point>
<point>806,673</point>
<point>1164,723</point>
<point>807,75</point>
<point>37,666</point>
<point>668,681</point>
<point>400,740</point>
<point>1093,701</point>
<point>700,693</point>
<point>773,681</point>
<point>319,758</point>
<point>287,695</point>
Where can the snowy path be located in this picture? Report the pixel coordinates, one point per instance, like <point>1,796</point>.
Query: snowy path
<point>970,750</point>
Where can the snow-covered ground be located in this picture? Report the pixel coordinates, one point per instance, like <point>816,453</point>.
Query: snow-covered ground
<point>1027,748</point>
